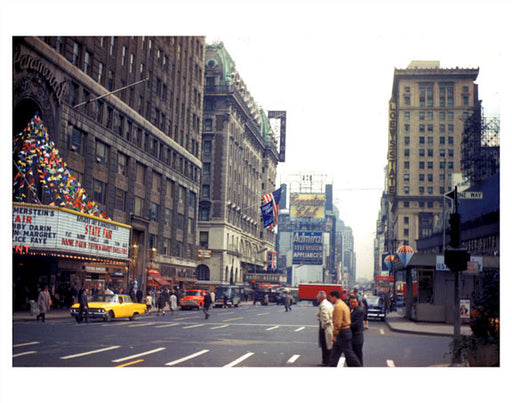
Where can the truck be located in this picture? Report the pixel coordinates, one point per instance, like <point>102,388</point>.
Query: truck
<point>309,291</point>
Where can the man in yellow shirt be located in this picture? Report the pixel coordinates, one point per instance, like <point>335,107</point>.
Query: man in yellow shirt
<point>342,335</point>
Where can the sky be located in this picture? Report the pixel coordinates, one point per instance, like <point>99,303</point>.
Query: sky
<point>329,64</point>
<point>334,79</point>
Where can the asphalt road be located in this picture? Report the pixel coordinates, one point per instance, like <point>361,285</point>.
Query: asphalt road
<point>247,336</point>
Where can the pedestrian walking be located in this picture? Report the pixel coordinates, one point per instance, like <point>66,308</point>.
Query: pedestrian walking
<point>43,303</point>
<point>287,301</point>
<point>206,304</point>
<point>225,301</point>
<point>149,303</point>
<point>357,315</point>
<point>173,303</point>
<point>342,335</point>
<point>161,304</point>
<point>139,294</point>
<point>212,296</point>
<point>83,311</point>
<point>324,316</point>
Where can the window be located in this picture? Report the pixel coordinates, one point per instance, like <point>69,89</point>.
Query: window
<point>98,191</point>
<point>111,45</point>
<point>407,140</point>
<point>207,147</point>
<point>101,153</point>
<point>140,173</point>
<point>120,199</point>
<point>206,168</point>
<point>442,140</point>
<point>422,189</point>
<point>407,115</point>
<point>122,164</point>
<point>204,213</point>
<point>192,200</point>
<point>110,117</point>
<point>406,220</point>
<point>153,211</point>
<point>73,94</point>
<point>422,115</point>
<point>157,182</point>
<point>205,192</point>
<point>110,82</point>
<point>167,216</point>
<point>430,152</point>
<point>100,73</point>
<point>422,177</point>
<point>422,128</point>
<point>167,246</point>
<point>77,141</point>
<point>422,139</point>
<point>406,152</point>
<point>203,239</point>
<point>123,55</point>
<point>208,125</point>
<point>422,165</point>
<point>442,152</point>
<point>430,165</point>
<point>406,164</point>
<point>406,190</point>
<point>87,62</point>
<point>407,101</point>
<point>406,178</point>
<point>138,206</point>
<point>181,194</point>
<point>430,190</point>
<point>422,152</point>
<point>430,177</point>
<point>407,127</point>
<point>74,58</point>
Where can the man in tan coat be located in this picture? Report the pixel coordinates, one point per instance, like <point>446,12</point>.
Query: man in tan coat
<point>43,302</point>
<point>342,335</point>
<point>324,315</point>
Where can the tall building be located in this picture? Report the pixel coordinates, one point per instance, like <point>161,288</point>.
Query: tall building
<point>240,157</point>
<point>428,109</point>
<point>125,114</point>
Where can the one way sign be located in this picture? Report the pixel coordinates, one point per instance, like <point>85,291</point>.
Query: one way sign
<point>464,195</point>
<point>471,195</point>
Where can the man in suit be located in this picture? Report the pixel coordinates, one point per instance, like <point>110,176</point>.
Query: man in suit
<point>357,317</point>
<point>324,315</point>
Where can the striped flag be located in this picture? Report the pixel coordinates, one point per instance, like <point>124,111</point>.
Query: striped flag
<point>270,208</point>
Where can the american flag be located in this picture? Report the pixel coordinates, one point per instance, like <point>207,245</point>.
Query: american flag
<point>270,208</point>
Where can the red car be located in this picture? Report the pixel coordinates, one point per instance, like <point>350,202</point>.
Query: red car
<point>193,299</point>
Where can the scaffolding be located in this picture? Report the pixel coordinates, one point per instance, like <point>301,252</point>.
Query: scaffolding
<point>480,147</point>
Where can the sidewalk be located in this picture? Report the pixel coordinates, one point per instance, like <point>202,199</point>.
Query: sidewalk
<point>398,323</point>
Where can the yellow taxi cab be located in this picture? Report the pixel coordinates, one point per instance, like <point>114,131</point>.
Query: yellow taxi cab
<point>110,306</point>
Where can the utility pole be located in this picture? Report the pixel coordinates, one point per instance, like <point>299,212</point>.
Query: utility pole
<point>457,260</point>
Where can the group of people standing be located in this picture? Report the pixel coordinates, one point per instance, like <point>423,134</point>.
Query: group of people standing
<point>341,329</point>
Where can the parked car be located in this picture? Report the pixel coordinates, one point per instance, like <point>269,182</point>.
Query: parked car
<point>110,306</point>
<point>193,299</point>
<point>376,307</point>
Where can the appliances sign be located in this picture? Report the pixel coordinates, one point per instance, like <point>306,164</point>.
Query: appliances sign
<point>307,248</point>
<point>54,229</point>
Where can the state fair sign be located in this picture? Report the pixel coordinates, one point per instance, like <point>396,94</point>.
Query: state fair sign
<point>54,229</point>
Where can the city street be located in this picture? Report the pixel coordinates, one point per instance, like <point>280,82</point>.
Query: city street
<point>247,336</point>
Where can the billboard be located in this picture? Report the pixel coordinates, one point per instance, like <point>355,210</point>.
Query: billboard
<point>307,248</point>
<point>45,228</point>
<point>307,206</point>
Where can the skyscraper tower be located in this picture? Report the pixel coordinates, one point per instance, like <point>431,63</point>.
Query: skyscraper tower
<point>427,111</point>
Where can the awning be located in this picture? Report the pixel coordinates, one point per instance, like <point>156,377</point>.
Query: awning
<point>156,280</point>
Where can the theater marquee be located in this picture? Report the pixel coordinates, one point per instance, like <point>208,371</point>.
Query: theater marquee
<point>53,229</point>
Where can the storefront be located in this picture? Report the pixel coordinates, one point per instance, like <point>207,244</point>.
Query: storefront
<point>66,250</point>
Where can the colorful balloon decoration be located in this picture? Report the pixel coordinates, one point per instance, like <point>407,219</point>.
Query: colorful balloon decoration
<point>39,170</point>
<point>405,253</point>
<point>388,261</point>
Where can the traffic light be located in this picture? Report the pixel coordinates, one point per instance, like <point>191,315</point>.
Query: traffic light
<point>456,259</point>
<point>455,230</point>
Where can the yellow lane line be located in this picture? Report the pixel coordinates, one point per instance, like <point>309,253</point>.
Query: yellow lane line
<point>264,313</point>
<point>128,363</point>
<point>227,320</point>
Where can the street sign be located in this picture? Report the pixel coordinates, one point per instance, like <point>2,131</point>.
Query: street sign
<point>471,195</point>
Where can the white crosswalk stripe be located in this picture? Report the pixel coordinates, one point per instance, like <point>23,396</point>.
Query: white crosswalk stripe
<point>238,360</point>
<point>188,357</point>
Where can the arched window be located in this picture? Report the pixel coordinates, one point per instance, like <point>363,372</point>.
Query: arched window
<point>203,272</point>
